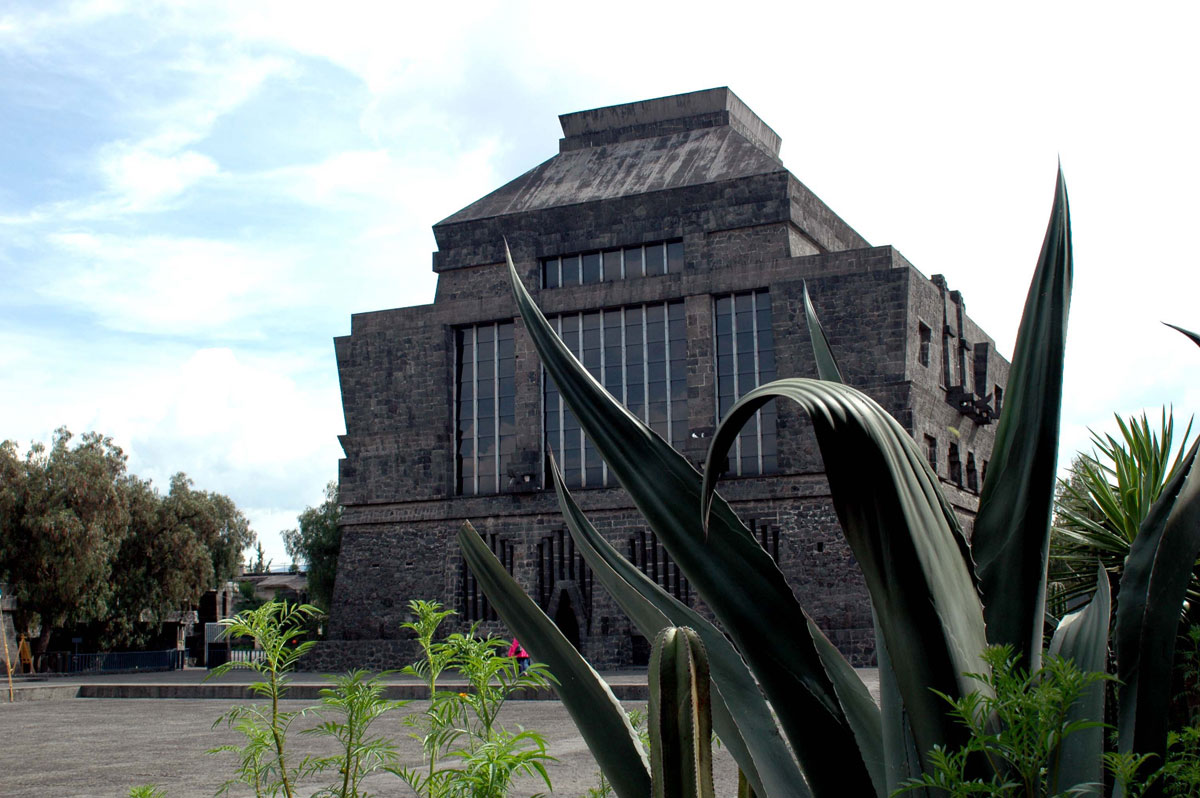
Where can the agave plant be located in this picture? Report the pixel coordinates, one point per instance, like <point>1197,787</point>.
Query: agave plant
<point>793,713</point>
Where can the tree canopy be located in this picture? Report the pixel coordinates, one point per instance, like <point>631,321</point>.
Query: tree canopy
<point>83,542</point>
<point>317,542</point>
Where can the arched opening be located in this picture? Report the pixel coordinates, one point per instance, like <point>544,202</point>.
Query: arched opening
<point>564,618</point>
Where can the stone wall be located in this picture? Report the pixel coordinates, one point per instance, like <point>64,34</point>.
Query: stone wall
<point>714,182</point>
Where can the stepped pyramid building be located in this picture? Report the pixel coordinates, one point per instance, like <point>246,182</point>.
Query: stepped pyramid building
<point>667,242</point>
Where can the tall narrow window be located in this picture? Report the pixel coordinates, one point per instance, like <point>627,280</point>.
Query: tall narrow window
<point>972,474</point>
<point>926,337</point>
<point>981,352</point>
<point>746,359</point>
<point>486,412</point>
<point>639,355</point>
<point>931,453</point>
<point>473,603</point>
<point>955,464</point>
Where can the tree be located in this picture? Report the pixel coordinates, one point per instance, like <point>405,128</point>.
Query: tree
<point>64,520</point>
<point>216,520</point>
<point>82,543</point>
<point>260,564</point>
<point>162,566</point>
<point>318,542</point>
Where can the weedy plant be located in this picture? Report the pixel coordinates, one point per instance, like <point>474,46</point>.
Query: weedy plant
<point>276,628</point>
<point>466,750</point>
<point>348,709</point>
<point>790,709</point>
<point>147,791</point>
<point>1017,722</point>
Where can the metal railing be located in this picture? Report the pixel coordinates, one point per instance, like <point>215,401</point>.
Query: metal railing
<point>113,661</point>
<point>219,655</point>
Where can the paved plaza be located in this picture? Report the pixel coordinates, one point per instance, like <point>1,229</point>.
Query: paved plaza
<point>70,747</point>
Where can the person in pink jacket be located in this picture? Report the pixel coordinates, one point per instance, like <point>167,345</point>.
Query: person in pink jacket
<point>522,656</point>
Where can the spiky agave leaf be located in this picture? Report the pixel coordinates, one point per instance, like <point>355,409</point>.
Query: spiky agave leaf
<point>1012,528</point>
<point>1082,637</point>
<point>762,616</point>
<point>742,718</point>
<point>1152,591</point>
<point>900,759</point>
<point>903,536</point>
<point>827,367</point>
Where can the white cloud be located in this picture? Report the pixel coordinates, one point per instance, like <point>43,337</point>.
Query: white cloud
<point>146,179</point>
<point>168,285</point>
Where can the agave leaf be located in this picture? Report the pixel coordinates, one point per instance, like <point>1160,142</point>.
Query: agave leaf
<point>1195,338</point>
<point>1151,597</point>
<point>903,536</point>
<point>1083,638</point>
<point>749,730</point>
<point>591,703</point>
<point>1012,528</point>
<point>762,616</point>
<point>827,367</point>
<point>900,758</point>
<point>901,754</point>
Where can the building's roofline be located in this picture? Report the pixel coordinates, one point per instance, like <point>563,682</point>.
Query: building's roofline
<point>666,115</point>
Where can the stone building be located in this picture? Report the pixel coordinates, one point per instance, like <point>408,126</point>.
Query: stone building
<point>668,244</point>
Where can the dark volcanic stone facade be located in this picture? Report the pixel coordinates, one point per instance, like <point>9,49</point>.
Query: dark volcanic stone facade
<point>699,168</point>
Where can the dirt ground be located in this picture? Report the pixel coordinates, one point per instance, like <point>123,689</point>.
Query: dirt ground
<point>102,747</point>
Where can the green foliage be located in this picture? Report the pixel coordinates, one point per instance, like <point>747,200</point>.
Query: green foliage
<point>260,564</point>
<point>216,520</point>
<point>1103,503</point>
<point>161,567</point>
<point>274,628</point>
<point>931,592</point>
<point>637,720</point>
<point>247,598</point>
<point>348,709</point>
<point>317,542</point>
<point>83,543</point>
<point>463,727</point>
<point>64,521</point>
<point>1018,722</point>
<point>1181,771</point>
<point>147,791</point>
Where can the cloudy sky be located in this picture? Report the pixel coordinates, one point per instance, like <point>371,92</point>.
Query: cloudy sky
<point>194,197</point>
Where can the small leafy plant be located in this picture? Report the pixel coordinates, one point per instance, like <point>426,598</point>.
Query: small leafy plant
<point>276,628</point>
<point>1017,722</point>
<point>348,709</point>
<point>463,726</point>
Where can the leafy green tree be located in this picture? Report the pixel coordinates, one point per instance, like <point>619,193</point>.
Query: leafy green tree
<point>162,566</point>
<point>1101,506</point>
<point>84,544</point>
<point>318,542</point>
<point>215,519</point>
<point>64,520</point>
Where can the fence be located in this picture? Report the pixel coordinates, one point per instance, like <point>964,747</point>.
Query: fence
<point>219,655</point>
<point>113,661</point>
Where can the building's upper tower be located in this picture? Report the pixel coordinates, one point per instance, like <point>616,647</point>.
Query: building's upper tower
<point>691,164</point>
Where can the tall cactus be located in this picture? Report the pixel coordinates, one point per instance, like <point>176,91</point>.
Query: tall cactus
<point>680,716</point>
